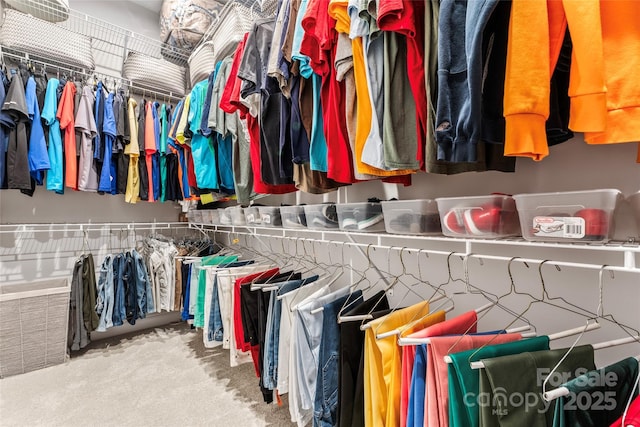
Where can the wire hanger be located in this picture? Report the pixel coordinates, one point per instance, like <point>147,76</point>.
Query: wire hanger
<point>437,295</point>
<point>396,280</point>
<point>356,318</point>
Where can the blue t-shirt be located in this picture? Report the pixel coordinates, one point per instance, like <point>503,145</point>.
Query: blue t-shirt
<point>49,111</point>
<point>108,173</point>
<point>38,156</point>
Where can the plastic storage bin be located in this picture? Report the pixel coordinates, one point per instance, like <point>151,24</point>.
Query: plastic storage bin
<point>479,216</point>
<point>237,215</point>
<point>293,217</point>
<point>270,216</point>
<point>210,216</point>
<point>195,216</point>
<point>33,325</point>
<point>321,217</point>
<point>362,217</point>
<point>419,217</point>
<point>634,201</point>
<point>573,216</point>
<point>252,215</point>
<point>225,216</point>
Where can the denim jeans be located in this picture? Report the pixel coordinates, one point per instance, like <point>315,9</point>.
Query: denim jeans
<point>272,336</point>
<point>308,330</point>
<point>326,398</point>
<point>106,297</point>
<point>144,293</point>
<point>119,310</point>
<point>215,317</point>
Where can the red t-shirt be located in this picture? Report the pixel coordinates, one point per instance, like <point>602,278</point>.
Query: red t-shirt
<point>231,90</point>
<point>407,17</point>
<point>67,122</point>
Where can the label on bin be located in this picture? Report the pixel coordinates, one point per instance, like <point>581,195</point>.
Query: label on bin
<point>266,218</point>
<point>568,227</point>
<point>251,218</point>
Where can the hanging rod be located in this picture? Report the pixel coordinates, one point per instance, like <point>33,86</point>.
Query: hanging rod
<point>463,255</point>
<point>106,78</point>
<point>89,226</point>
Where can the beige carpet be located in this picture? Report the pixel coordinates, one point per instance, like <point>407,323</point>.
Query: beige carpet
<point>159,377</point>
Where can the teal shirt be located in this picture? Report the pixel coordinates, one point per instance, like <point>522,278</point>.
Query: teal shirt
<point>49,112</point>
<point>204,156</point>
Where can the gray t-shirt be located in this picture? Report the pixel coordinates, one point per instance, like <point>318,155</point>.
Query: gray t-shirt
<point>86,124</point>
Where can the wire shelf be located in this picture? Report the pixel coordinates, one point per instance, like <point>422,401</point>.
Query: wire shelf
<point>110,44</point>
<point>224,34</point>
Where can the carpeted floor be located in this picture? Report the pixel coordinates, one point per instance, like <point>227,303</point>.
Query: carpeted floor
<point>159,377</point>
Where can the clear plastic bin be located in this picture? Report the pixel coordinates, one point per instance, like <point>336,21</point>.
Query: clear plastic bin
<point>419,217</point>
<point>252,215</point>
<point>293,217</point>
<point>634,201</point>
<point>195,216</point>
<point>237,215</point>
<point>362,217</point>
<point>321,217</point>
<point>270,216</point>
<point>209,216</point>
<point>214,216</point>
<point>225,216</point>
<point>572,216</point>
<point>479,216</point>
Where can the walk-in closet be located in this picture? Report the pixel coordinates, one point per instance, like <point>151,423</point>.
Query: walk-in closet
<point>327,213</point>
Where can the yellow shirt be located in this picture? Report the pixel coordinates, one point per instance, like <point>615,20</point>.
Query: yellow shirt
<point>182,124</point>
<point>132,194</point>
<point>382,367</point>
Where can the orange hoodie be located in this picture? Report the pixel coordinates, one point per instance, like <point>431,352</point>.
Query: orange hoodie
<point>601,89</point>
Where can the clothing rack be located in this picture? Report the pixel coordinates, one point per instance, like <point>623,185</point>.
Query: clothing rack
<point>466,256</point>
<point>88,76</point>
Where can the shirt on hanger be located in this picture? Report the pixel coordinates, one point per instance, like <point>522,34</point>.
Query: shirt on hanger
<point>614,385</point>
<point>464,383</point>
<point>85,123</point>
<point>15,106</point>
<point>133,151</point>
<point>382,363</point>
<point>38,156</point>
<point>67,122</point>
<point>437,396</point>
<point>55,180</point>
<point>462,324</point>
<point>520,373</point>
